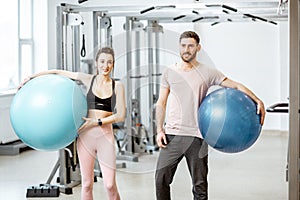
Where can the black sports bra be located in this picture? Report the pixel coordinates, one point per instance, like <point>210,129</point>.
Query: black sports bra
<point>94,102</point>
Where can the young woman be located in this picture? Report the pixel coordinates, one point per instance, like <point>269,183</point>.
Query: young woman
<point>106,104</point>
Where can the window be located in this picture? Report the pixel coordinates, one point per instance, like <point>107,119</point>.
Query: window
<point>16,40</point>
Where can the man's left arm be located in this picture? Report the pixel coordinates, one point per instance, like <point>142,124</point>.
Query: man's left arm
<point>260,105</point>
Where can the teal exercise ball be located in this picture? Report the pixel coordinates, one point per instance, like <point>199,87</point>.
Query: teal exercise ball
<point>47,111</point>
<point>228,120</point>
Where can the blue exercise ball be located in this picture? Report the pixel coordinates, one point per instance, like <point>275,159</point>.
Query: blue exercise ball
<point>47,111</point>
<point>228,120</point>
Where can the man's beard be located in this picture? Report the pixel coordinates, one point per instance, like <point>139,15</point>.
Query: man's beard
<point>192,56</point>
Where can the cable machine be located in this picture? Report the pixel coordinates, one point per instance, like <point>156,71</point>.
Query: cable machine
<point>141,142</point>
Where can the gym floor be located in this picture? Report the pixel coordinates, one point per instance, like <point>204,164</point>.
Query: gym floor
<point>257,173</point>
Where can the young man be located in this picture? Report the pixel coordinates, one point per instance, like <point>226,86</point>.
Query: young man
<point>183,86</point>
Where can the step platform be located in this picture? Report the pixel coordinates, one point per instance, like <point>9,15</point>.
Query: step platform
<point>13,148</point>
<point>43,190</point>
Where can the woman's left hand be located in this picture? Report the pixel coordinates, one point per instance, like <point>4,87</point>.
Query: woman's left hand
<point>89,122</point>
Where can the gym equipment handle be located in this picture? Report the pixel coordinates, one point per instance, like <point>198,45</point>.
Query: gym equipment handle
<point>279,108</point>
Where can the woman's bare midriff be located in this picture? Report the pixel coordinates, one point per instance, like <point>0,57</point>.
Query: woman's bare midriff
<point>98,114</point>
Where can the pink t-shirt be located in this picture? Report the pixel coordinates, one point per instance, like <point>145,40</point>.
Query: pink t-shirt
<point>187,90</point>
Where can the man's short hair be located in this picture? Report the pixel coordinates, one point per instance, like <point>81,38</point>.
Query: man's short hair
<point>190,34</point>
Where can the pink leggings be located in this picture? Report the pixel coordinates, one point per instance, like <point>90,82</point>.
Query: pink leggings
<point>97,142</point>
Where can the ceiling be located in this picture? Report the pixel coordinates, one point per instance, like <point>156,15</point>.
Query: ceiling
<point>211,11</point>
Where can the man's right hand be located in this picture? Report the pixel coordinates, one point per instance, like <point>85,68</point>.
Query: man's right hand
<point>161,139</point>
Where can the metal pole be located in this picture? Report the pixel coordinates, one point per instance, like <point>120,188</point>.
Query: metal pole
<point>64,56</point>
<point>60,20</point>
<point>102,34</point>
<point>75,49</point>
<point>150,72</point>
<point>157,63</point>
<point>128,82</point>
<point>108,28</point>
<point>104,31</point>
<point>138,72</point>
<point>293,171</point>
<point>95,33</point>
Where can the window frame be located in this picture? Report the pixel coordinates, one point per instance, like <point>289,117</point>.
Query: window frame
<point>25,41</point>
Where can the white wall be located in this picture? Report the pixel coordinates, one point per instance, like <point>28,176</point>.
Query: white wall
<point>254,54</point>
<point>284,71</point>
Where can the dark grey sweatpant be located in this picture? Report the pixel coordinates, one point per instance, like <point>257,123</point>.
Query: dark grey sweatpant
<point>195,151</point>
